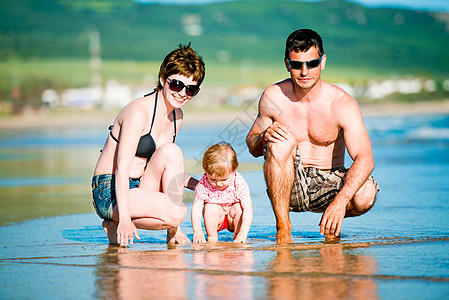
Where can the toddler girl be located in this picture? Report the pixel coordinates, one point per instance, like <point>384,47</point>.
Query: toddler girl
<point>223,197</point>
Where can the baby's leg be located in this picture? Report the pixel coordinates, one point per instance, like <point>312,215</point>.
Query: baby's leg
<point>213,217</point>
<point>235,218</point>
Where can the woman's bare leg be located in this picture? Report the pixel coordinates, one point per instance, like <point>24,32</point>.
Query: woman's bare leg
<point>110,227</point>
<point>157,203</point>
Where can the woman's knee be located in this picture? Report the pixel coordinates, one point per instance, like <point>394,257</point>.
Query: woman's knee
<point>169,153</point>
<point>168,156</point>
<point>177,215</point>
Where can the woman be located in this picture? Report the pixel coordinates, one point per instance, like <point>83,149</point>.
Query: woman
<point>139,177</point>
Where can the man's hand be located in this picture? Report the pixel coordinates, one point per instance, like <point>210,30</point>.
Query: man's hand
<point>277,132</point>
<point>332,219</point>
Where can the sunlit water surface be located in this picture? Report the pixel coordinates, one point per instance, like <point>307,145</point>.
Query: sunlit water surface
<point>395,251</point>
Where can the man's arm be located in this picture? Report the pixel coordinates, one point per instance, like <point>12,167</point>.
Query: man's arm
<point>358,145</point>
<point>255,138</point>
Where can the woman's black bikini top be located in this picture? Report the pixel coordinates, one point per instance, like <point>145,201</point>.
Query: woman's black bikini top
<point>147,145</point>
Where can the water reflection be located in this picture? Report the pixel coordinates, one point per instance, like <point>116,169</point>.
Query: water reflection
<point>309,271</point>
<point>175,274</point>
<point>326,273</point>
<point>126,274</point>
<point>44,182</point>
<point>224,274</point>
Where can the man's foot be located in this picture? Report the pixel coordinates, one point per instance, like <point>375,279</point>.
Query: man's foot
<point>284,236</point>
<point>110,228</point>
<point>176,236</point>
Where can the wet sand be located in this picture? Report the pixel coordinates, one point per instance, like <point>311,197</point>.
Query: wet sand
<point>192,117</point>
<point>384,254</point>
<point>68,257</point>
<point>395,251</point>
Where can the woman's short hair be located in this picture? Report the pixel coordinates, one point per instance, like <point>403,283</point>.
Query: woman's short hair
<point>220,159</point>
<point>184,61</point>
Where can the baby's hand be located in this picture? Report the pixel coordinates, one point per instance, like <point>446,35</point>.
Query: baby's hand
<point>240,239</point>
<point>199,238</point>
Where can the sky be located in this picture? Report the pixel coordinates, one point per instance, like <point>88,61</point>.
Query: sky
<point>426,5</point>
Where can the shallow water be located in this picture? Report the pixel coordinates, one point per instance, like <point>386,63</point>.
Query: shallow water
<point>68,257</point>
<point>396,251</point>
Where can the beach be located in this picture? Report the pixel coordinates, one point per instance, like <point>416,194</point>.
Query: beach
<point>53,246</point>
<point>77,117</point>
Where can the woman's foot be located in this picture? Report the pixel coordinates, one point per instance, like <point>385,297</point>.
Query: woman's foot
<point>176,236</point>
<point>110,228</point>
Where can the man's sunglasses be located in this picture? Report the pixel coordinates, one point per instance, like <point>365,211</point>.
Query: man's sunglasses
<point>177,86</point>
<point>311,64</point>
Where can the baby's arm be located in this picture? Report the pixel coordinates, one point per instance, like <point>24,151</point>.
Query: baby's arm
<point>198,235</point>
<point>247,219</point>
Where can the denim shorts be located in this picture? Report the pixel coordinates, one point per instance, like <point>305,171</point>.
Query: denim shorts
<point>103,193</point>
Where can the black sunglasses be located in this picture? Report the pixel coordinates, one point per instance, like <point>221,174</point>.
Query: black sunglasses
<point>311,64</point>
<point>177,86</point>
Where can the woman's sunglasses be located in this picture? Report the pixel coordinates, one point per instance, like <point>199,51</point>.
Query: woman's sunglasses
<point>177,86</point>
<point>311,64</point>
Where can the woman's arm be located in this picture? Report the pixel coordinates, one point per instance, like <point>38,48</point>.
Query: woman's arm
<point>131,127</point>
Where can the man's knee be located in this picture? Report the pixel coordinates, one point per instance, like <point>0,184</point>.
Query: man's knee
<point>365,198</point>
<point>281,151</point>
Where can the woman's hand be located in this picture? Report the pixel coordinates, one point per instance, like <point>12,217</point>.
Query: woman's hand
<point>125,232</point>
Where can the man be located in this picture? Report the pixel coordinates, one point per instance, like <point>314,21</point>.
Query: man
<point>302,129</point>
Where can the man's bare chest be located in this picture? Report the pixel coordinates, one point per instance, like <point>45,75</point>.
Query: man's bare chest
<point>313,126</point>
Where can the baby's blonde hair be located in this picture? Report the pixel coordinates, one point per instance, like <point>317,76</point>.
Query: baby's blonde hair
<point>220,159</point>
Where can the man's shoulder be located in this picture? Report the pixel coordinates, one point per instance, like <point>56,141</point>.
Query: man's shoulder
<point>337,95</point>
<point>278,89</point>
<point>342,104</point>
<point>278,86</point>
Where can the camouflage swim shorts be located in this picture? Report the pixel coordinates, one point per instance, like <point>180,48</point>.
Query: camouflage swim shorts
<point>314,189</point>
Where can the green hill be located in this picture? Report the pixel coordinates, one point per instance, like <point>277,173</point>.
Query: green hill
<point>382,39</point>
<point>375,41</point>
